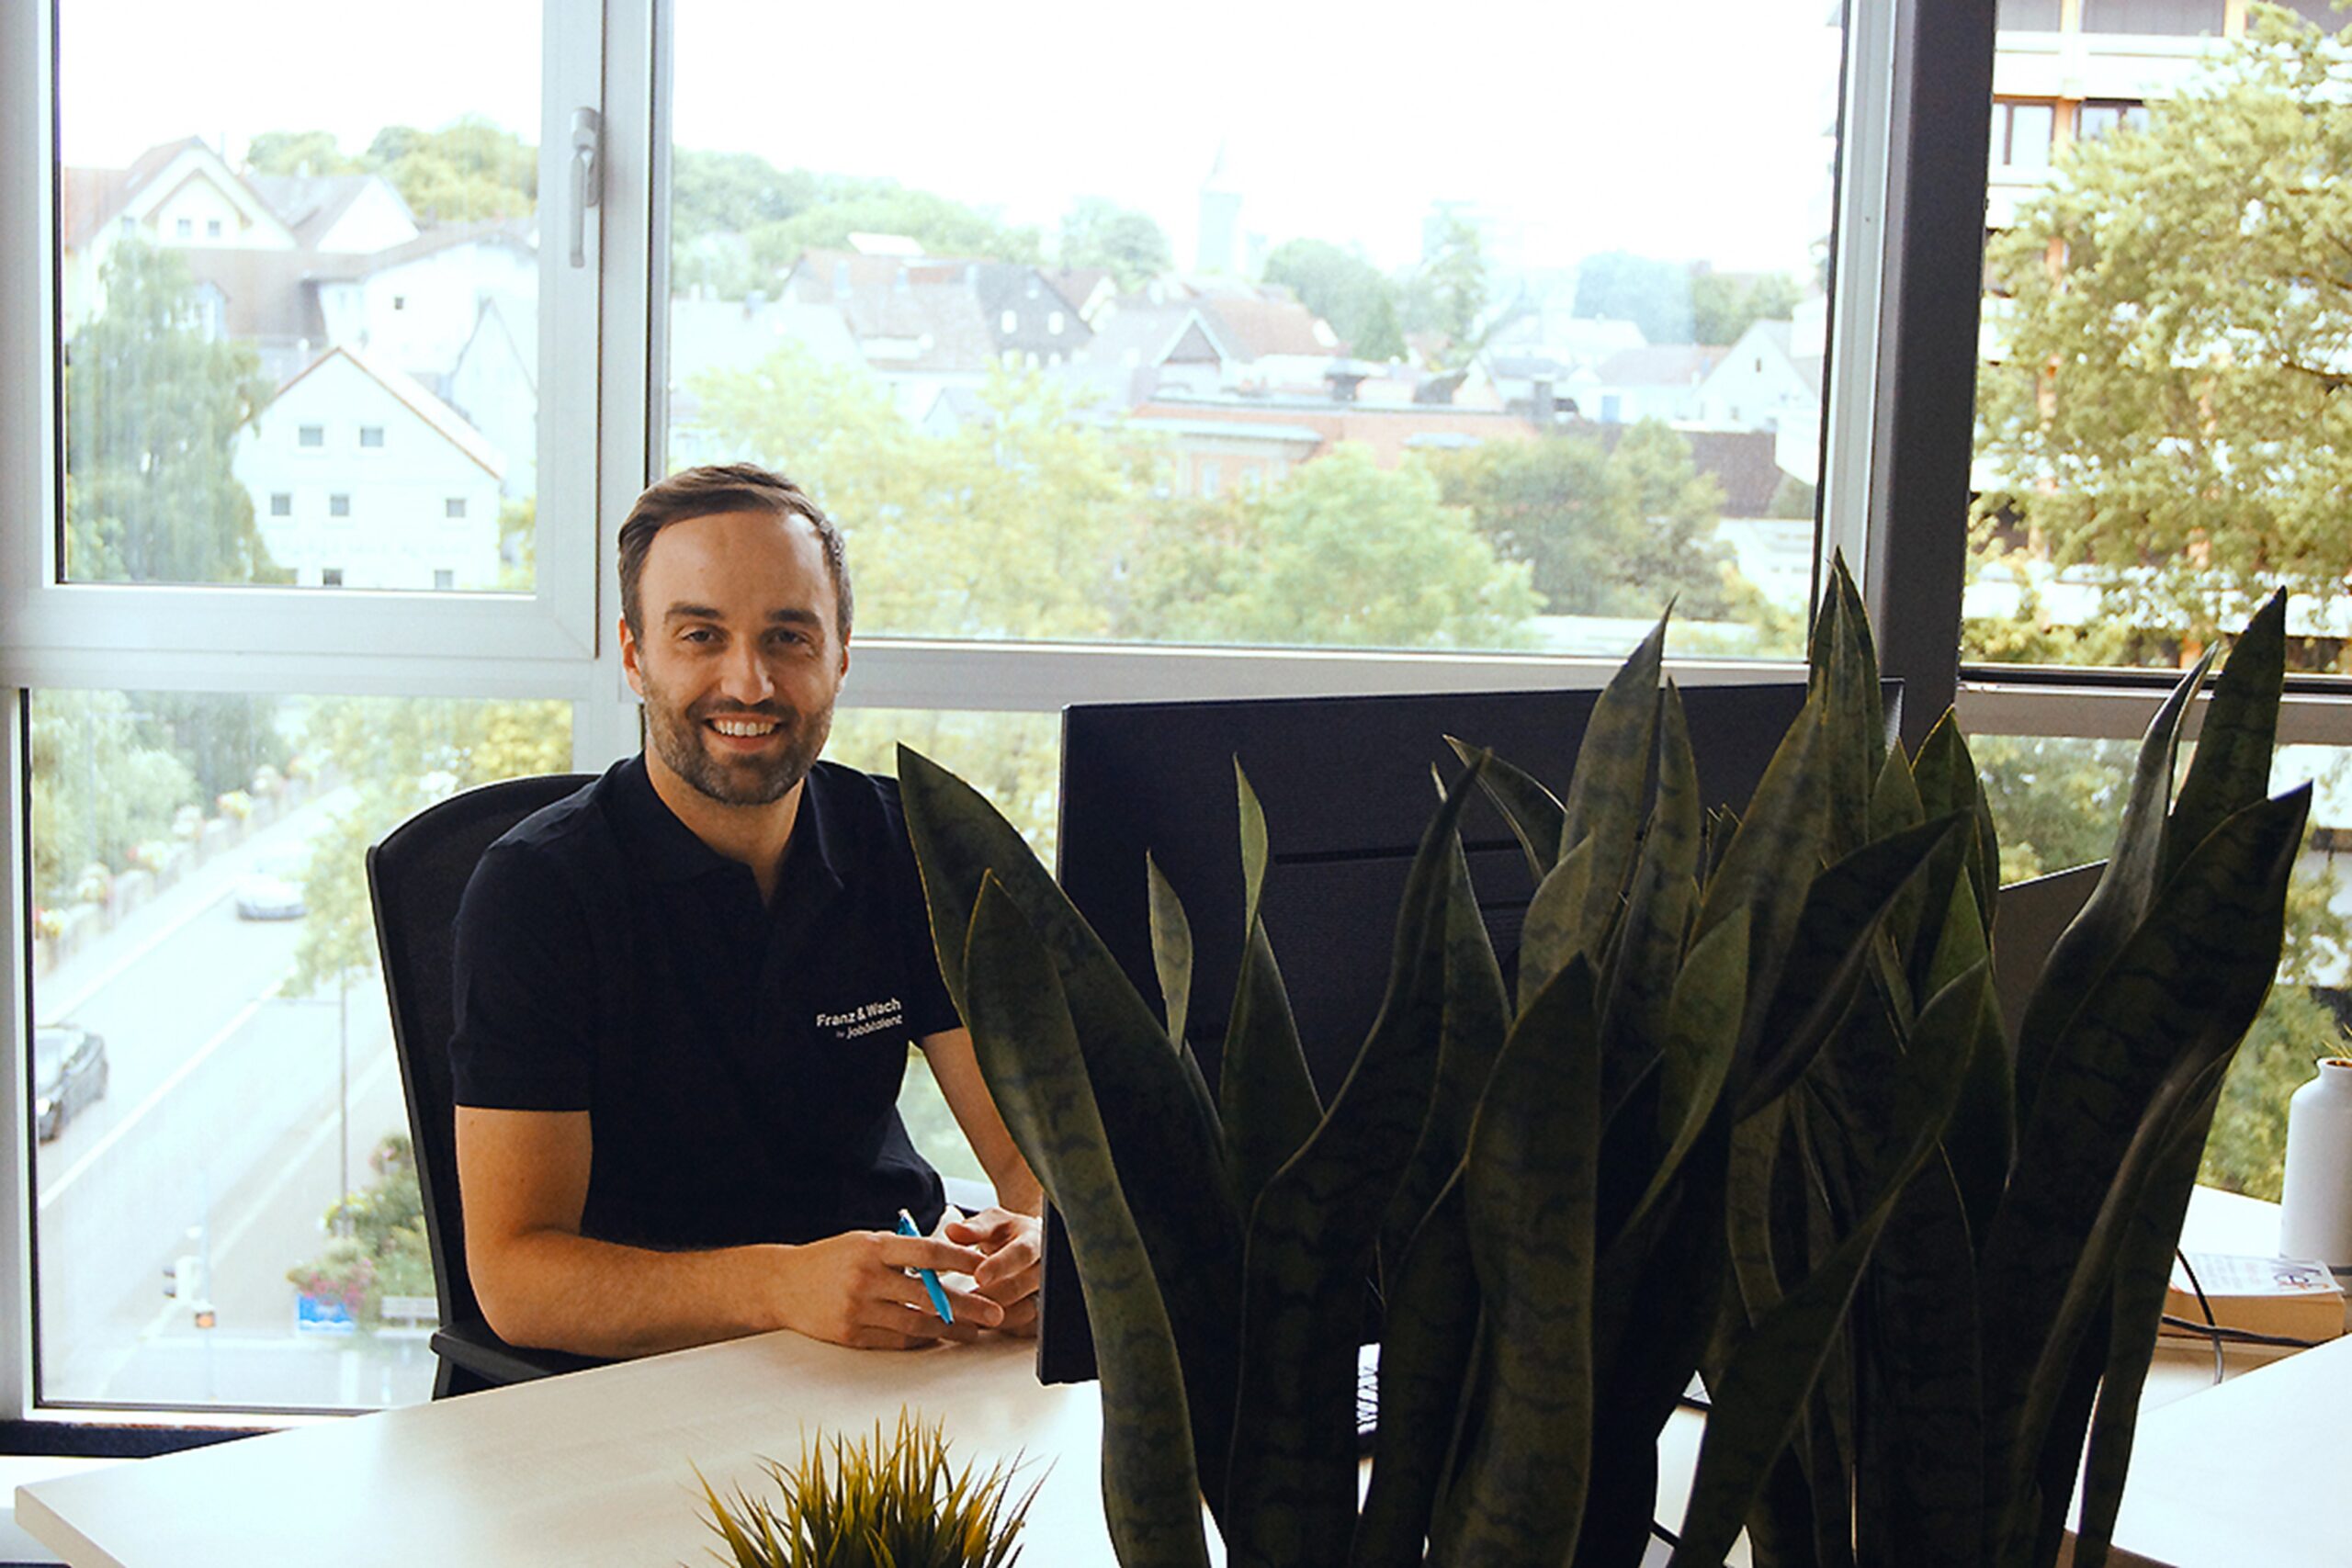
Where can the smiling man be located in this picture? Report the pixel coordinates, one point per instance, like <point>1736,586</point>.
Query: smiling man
<point>685,994</point>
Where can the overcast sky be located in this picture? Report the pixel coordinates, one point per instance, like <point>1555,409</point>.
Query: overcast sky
<point>1698,131</point>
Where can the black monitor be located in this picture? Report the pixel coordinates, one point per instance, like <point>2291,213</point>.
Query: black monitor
<point>1346,787</point>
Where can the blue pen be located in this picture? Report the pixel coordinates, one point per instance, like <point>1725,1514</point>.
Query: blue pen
<point>930,1278</point>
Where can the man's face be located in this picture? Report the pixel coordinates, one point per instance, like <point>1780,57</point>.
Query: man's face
<point>740,660</point>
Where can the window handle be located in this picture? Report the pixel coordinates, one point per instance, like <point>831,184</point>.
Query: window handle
<point>587,176</point>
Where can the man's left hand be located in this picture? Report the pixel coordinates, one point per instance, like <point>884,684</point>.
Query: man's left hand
<point>1012,1245</point>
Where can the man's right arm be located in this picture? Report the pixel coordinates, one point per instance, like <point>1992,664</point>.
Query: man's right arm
<point>524,1178</point>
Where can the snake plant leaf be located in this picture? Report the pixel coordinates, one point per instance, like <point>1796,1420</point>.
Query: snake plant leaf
<point>1762,1393</point>
<point>1641,979</point>
<point>1427,1333</point>
<point>1530,1183</point>
<point>2232,767</point>
<point>2177,998</point>
<point>1554,930</point>
<point>1702,1033</point>
<point>1845,677</point>
<point>1478,1016</point>
<point>2115,906</point>
<point>1161,1121</point>
<point>1663,1301</point>
<point>1171,948</point>
<point>1754,1152</point>
<point>1824,963</point>
<point>1980,1141</point>
<point>1292,1501</point>
<point>1770,865</point>
<point>1027,1044</point>
<point>1534,812</point>
<point>1926,1469</point>
<point>1266,1095</point>
<point>2143,1268</point>
<point>1607,790</point>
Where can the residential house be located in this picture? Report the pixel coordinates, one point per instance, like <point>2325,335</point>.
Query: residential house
<point>1635,384</point>
<point>360,478</point>
<point>1762,380</point>
<point>181,193</point>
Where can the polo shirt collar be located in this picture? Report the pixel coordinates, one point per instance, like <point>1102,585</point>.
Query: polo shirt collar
<point>669,851</point>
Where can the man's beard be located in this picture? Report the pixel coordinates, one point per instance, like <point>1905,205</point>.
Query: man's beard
<point>763,780</point>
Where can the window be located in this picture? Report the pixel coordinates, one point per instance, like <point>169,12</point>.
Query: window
<point>455,506</point>
<point>1054,322</point>
<point>474,639</point>
<point>338,505</point>
<point>2028,15</point>
<point>212,228</point>
<point>184,227</point>
<point>2100,116</point>
<point>2184,19</point>
<point>371,436</point>
<point>281,504</point>
<point>2021,134</point>
<point>1008,323</point>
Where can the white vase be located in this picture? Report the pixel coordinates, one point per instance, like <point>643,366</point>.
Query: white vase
<point>2315,1210</point>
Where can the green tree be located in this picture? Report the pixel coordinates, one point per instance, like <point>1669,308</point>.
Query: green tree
<point>105,778</point>
<point>1723,307</point>
<point>1654,295</point>
<point>154,406</point>
<point>1098,232</point>
<point>299,153</point>
<point>728,193</point>
<point>942,226</point>
<point>1448,294</point>
<point>1013,527</point>
<point>2173,411</point>
<point>468,171</point>
<point>1346,291</point>
<point>1603,532</point>
<point>1344,552</point>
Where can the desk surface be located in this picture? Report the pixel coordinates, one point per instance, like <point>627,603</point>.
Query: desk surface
<point>588,1469</point>
<point>598,1467</point>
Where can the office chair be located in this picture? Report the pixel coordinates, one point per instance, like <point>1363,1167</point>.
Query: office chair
<point>415,878</point>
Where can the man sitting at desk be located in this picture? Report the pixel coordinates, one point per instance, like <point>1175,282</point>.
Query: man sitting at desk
<point>684,995</point>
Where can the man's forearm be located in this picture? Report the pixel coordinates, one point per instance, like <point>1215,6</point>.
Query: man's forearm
<point>561,1292</point>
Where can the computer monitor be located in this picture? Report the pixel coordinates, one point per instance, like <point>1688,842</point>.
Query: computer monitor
<point>1346,787</point>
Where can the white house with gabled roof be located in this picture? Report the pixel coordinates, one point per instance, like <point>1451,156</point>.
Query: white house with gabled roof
<point>362,479</point>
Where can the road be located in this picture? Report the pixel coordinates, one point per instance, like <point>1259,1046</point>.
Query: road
<point>219,1135</point>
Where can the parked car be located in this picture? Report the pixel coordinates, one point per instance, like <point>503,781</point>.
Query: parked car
<point>69,1072</point>
<point>271,891</point>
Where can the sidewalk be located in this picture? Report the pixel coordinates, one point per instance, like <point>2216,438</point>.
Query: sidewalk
<point>81,973</point>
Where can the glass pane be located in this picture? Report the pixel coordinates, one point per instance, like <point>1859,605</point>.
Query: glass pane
<point>214,1059</point>
<point>2161,436</point>
<point>1303,370</point>
<point>282,277</point>
<point>2056,801</point>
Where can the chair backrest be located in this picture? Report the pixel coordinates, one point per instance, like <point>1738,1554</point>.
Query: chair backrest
<point>415,877</point>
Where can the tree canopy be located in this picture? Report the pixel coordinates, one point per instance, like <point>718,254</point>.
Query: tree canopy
<point>1098,232</point>
<point>1355,296</point>
<point>2174,405</point>
<point>467,171</point>
<point>1722,306</point>
<point>1654,295</point>
<point>1603,531</point>
<point>153,404</point>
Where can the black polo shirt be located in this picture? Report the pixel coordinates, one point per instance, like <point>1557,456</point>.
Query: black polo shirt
<point>740,1062</point>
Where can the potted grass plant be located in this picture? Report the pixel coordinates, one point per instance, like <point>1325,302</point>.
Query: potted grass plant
<point>1748,1113</point>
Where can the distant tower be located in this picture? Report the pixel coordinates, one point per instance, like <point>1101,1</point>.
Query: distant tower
<point>1220,241</point>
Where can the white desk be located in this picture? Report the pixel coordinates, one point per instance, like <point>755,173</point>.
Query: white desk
<point>595,1467</point>
<point>589,1469</point>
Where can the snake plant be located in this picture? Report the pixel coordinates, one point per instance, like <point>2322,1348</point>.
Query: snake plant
<point>1743,1109</point>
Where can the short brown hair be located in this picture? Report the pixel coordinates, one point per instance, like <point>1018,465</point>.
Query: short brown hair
<point>725,487</point>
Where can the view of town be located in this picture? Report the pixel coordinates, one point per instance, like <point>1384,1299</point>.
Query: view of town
<point>1214,405</point>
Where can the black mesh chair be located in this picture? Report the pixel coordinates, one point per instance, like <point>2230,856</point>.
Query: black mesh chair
<point>416,877</point>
